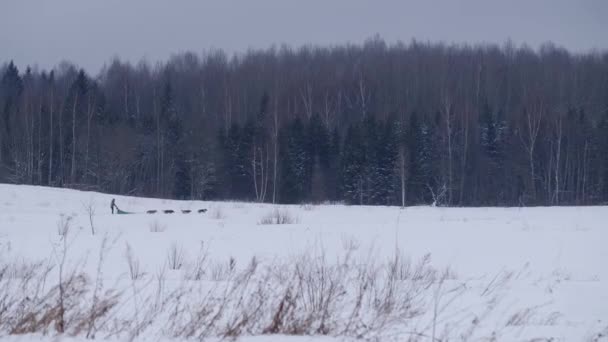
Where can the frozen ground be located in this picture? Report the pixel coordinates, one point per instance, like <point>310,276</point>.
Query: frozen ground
<point>504,274</point>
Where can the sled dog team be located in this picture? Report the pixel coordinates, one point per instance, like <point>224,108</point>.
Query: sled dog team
<point>113,206</point>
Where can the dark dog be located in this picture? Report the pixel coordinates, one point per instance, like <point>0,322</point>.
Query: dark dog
<point>168,211</point>
<point>200,211</point>
<point>151,211</point>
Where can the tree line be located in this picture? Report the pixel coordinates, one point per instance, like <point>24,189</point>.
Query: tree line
<point>371,124</point>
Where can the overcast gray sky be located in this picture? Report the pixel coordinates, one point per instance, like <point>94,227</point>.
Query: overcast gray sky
<point>89,33</point>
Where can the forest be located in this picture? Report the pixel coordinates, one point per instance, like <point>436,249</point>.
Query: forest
<point>403,124</point>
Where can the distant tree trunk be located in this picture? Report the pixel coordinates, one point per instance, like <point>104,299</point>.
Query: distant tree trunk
<point>558,151</point>
<point>254,165</point>
<point>362,96</point>
<point>306,95</point>
<point>227,109</point>
<point>328,110</point>
<point>126,99</point>
<point>533,119</point>
<point>465,152</point>
<point>360,188</point>
<point>584,181</point>
<point>275,143</point>
<point>267,173</point>
<point>159,147</point>
<point>32,144</point>
<point>448,132</point>
<point>29,148</point>
<point>73,164</point>
<point>162,165</point>
<point>89,117</point>
<point>259,163</point>
<point>61,143</point>
<point>51,140</point>
<point>39,153</point>
<point>402,174</point>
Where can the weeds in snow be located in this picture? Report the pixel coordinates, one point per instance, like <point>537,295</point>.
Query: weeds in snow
<point>90,211</point>
<point>157,227</point>
<point>349,243</point>
<point>175,256</point>
<point>222,271</point>
<point>278,216</point>
<point>63,225</point>
<point>308,294</point>
<point>135,270</point>
<point>34,303</point>
<point>197,270</point>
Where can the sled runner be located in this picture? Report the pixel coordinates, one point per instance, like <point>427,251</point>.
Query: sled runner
<point>121,212</point>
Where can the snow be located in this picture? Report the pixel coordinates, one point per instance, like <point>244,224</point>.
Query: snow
<point>548,263</point>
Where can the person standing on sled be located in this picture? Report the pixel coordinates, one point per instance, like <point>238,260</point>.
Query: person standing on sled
<point>113,205</point>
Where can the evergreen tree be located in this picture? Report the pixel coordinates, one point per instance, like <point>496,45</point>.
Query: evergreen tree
<point>491,131</point>
<point>11,88</point>
<point>415,144</point>
<point>332,182</point>
<point>352,166</point>
<point>318,146</point>
<point>235,153</point>
<point>583,144</point>
<point>370,165</point>
<point>295,163</point>
<point>182,185</point>
<point>174,146</point>
<point>423,161</point>
<point>385,183</point>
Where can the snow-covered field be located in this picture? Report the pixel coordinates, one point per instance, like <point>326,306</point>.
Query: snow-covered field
<point>385,273</point>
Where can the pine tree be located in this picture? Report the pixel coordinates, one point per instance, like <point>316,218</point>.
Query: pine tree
<point>318,146</point>
<point>11,88</point>
<point>385,183</point>
<point>414,145</point>
<point>370,165</point>
<point>352,166</point>
<point>423,162</point>
<point>235,153</point>
<point>295,163</point>
<point>492,170</point>
<point>182,185</point>
<point>332,183</point>
<point>583,145</point>
<point>175,149</point>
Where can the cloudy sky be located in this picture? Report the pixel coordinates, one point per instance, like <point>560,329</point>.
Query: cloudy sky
<point>89,33</point>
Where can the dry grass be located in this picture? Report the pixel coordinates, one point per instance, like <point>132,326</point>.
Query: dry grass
<point>175,256</point>
<point>31,301</point>
<point>309,294</point>
<point>278,216</point>
<point>198,269</point>
<point>63,225</point>
<point>135,269</point>
<point>157,227</point>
